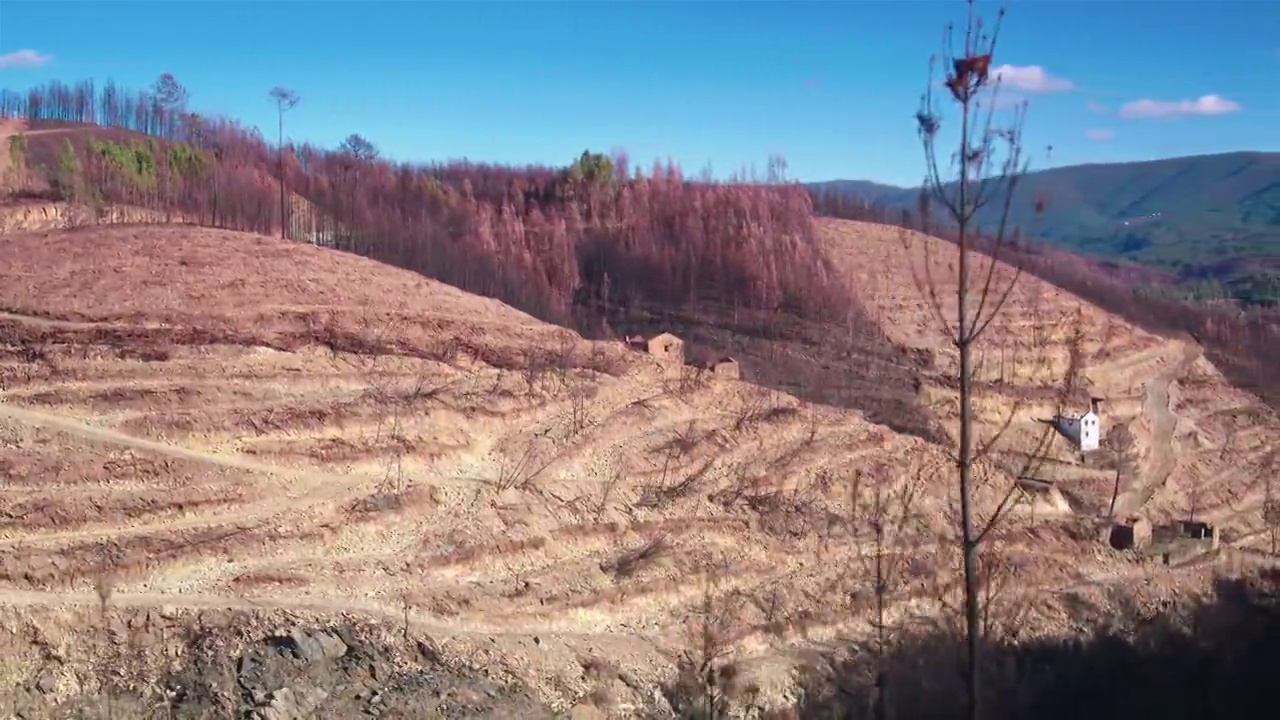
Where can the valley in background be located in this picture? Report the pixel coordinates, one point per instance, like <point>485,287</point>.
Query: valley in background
<point>401,459</point>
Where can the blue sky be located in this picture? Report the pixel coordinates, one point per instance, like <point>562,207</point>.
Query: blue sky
<point>830,85</point>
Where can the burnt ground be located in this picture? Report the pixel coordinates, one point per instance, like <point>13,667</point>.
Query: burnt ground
<point>530,514</point>
<point>220,665</point>
<point>851,365</point>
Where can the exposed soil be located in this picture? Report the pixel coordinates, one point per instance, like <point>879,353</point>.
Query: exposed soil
<point>171,661</point>
<point>1157,408</point>
<point>245,430</point>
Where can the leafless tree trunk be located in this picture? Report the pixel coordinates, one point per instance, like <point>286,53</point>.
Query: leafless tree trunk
<point>359,150</point>
<point>217,164</point>
<point>988,163</point>
<point>1121,443</point>
<point>706,666</point>
<point>1270,503</point>
<point>884,512</point>
<point>104,585</point>
<point>285,100</point>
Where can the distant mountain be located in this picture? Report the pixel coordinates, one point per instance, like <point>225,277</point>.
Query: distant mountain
<point>872,191</point>
<point>1214,220</point>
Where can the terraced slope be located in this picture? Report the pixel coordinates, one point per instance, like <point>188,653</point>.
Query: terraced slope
<point>1189,443</point>
<point>219,422</point>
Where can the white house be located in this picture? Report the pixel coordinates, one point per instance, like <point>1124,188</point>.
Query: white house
<point>1083,430</point>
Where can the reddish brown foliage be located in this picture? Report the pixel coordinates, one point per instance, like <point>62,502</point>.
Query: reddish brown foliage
<point>601,251</point>
<point>538,238</point>
<point>1241,342</point>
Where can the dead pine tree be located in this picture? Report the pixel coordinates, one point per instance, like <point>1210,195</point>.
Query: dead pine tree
<point>987,164</point>
<point>104,588</point>
<point>1270,501</point>
<point>887,527</point>
<point>706,671</point>
<point>409,600</point>
<point>1120,445</point>
<point>285,100</point>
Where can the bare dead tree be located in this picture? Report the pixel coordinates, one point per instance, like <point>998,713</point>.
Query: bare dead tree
<point>521,472</point>
<point>285,100</point>
<point>885,515</point>
<point>409,600</point>
<point>580,396</point>
<point>758,403</point>
<point>629,562</point>
<point>170,98</point>
<point>706,668</point>
<point>608,484</point>
<point>1193,494</point>
<point>535,369</point>
<point>1271,503</point>
<point>1121,443</point>
<point>1002,614</point>
<point>565,360</point>
<point>397,386</point>
<point>988,164</point>
<point>104,584</point>
<point>688,379</point>
<point>356,151</point>
<point>656,496</point>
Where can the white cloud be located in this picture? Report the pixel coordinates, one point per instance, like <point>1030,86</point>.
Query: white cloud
<point>23,58</point>
<point>1003,101</point>
<point>1162,109</point>
<point>1097,107</point>
<point>1100,134</point>
<point>1030,78</point>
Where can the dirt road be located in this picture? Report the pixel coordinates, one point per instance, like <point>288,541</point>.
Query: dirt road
<point>421,621</point>
<point>1164,422</point>
<point>49,322</point>
<point>315,487</point>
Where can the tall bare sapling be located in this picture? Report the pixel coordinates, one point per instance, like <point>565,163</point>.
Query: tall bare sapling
<point>978,181</point>
<point>285,100</point>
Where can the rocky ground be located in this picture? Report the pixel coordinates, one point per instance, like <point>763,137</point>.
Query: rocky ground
<point>316,486</point>
<point>171,664</point>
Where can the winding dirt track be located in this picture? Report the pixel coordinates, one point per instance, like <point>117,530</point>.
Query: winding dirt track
<point>46,322</point>
<point>1158,406</point>
<point>316,487</point>
<point>421,621</point>
<point>588,502</point>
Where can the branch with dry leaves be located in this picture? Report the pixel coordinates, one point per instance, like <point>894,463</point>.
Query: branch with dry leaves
<point>707,678</point>
<point>888,527</point>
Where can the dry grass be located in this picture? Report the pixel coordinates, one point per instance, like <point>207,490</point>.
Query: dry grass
<point>229,421</point>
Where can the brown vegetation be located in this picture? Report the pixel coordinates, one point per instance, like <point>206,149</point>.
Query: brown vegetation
<point>537,238</point>
<point>326,449</point>
<point>735,268</point>
<point>1240,341</point>
<point>220,420</point>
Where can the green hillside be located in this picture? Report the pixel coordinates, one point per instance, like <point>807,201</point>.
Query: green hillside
<point>1214,220</point>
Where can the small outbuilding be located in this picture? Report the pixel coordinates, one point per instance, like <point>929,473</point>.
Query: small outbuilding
<point>725,367</point>
<point>1083,430</point>
<point>666,346</point>
<point>663,346</point>
<point>1195,530</point>
<point>721,366</point>
<point>1132,533</point>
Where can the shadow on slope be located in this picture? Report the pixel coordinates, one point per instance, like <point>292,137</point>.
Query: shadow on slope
<point>854,366</point>
<point>221,665</point>
<point>1239,341</point>
<point>1213,659</point>
<point>545,240</point>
